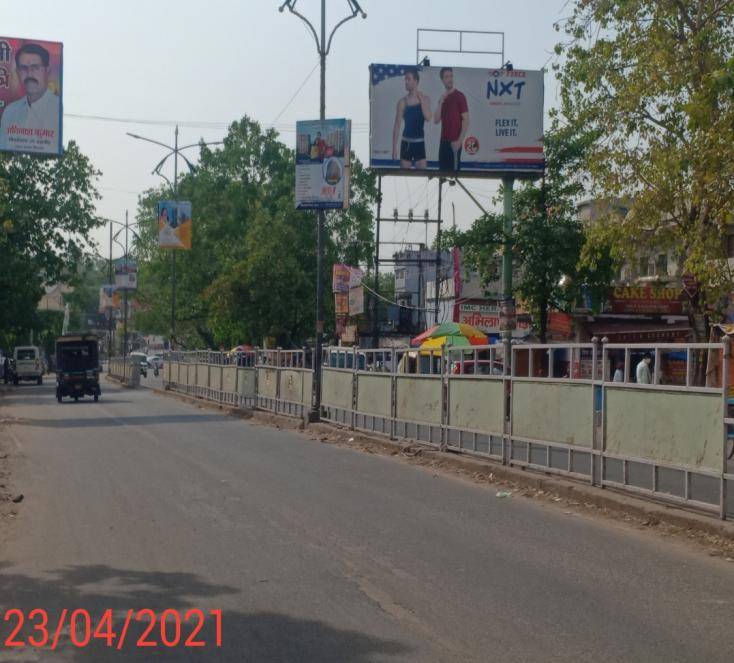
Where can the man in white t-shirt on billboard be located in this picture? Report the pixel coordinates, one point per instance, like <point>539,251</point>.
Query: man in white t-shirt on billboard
<point>39,108</point>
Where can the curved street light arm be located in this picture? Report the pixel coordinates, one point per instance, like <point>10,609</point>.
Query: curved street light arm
<point>356,11</point>
<point>160,174</point>
<point>291,4</point>
<point>150,140</point>
<point>213,142</point>
<point>159,165</point>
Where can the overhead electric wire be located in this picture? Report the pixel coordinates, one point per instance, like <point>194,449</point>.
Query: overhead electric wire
<point>361,127</point>
<point>296,93</point>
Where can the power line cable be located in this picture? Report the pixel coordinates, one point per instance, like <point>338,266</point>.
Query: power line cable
<point>296,93</point>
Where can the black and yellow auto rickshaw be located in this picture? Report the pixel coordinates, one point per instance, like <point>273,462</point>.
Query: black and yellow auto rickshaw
<point>77,366</point>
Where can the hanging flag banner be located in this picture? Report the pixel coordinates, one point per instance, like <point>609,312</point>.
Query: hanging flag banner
<point>30,96</point>
<point>126,274</point>
<point>356,301</point>
<point>322,164</point>
<point>474,120</point>
<point>174,224</point>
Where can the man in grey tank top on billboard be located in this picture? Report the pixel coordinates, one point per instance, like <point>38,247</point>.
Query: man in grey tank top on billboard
<point>413,111</point>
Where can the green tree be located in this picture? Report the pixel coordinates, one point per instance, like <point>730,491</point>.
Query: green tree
<point>654,81</point>
<point>252,269</point>
<point>548,238</point>
<point>46,215</point>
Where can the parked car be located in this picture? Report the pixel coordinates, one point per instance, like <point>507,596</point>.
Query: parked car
<point>28,364</point>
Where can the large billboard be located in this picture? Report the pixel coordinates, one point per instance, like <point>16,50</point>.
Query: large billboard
<point>174,224</point>
<point>31,73</point>
<point>456,119</point>
<point>322,164</point>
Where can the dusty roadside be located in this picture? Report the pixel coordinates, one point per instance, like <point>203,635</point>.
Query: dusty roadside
<point>704,533</point>
<point>8,508</point>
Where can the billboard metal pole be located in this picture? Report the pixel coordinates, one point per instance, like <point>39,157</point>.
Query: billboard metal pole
<point>507,185</point>
<point>322,46</point>
<point>375,300</point>
<point>438,250</point>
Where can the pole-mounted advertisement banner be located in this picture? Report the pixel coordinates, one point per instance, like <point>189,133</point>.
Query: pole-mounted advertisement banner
<point>448,119</point>
<point>322,164</point>
<point>126,274</point>
<point>174,224</point>
<point>31,73</point>
<point>109,298</point>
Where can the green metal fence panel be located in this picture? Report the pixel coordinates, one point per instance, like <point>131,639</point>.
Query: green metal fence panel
<point>215,376</point>
<point>307,387</point>
<point>373,394</point>
<point>670,427</point>
<point>477,404</point>
<point>553,412</point>
<point>246,382</point>
<point>202,375</point>
<point>229,379</point>
<point>336,388</point>
<point>419,398</point>
<point>291,385</point>
<point>267,380</point>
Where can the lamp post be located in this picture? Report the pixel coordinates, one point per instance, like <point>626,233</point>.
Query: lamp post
<point>173,150</point>
<point>113,238</point>
<point>323,46</point>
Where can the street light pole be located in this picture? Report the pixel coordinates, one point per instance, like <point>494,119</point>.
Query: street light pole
<point>110,307</point>
<point>173,251</point>
<point>124,323</point>
<point>322,46</point>
<point>174,150</point>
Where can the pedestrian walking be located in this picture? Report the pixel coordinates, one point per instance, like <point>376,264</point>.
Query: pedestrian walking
<point>643,370</point>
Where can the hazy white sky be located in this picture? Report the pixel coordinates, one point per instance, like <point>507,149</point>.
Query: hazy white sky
<point>205,64</point>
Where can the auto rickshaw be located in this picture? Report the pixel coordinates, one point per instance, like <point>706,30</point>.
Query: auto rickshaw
<point>77,366</point>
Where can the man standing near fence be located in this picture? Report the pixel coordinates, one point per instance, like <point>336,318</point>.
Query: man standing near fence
<point>643,370</point>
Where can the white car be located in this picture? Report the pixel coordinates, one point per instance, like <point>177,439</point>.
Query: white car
<point>28,364</point>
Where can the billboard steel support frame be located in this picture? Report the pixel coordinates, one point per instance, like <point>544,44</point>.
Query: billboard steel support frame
<point>379,219</point>
<point>461,49</point>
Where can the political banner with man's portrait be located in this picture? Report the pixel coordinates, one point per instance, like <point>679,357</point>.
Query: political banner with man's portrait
<point>31,109</point>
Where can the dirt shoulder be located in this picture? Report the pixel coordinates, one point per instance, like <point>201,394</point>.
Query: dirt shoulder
<point>8,508</point>
<point>704,533</point>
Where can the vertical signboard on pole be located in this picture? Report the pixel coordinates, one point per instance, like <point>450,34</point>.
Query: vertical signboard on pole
<point>322,164</point>
<point>126,274</point>
<point>31,76</point>
<point>174,224</point>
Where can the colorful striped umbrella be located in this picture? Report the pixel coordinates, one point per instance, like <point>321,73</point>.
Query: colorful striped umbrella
<point>450,334</point>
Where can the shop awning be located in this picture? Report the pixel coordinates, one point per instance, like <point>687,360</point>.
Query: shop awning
<point>633,331</point>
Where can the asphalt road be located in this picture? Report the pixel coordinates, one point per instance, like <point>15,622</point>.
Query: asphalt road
<point>316,553</point>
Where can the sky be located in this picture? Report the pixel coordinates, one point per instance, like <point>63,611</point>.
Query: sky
<point>143,66</point>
